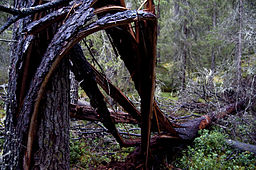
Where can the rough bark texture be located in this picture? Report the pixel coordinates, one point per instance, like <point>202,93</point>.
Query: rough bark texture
<point>37,112</point>
<point>30,49</point>
<point>51,148</point>
<point>241,146</point>
<point>86,112</point>
<point>85,75</point>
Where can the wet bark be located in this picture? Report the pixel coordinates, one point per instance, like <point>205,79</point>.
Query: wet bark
<point>86,112</point>
<point>241,146</point>
<point>22,148</point>
<point>85,75</point>
<point>51,145</point>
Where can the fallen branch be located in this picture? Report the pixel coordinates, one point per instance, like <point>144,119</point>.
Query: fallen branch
<point>241,146</point>
<point>86,112</point>
<point>5,40</point>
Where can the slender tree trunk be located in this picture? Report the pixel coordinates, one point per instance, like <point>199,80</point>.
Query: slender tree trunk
<point>214,20</point>
<point>239,43</point>
<point>73,89</point>
<point>184,56</point>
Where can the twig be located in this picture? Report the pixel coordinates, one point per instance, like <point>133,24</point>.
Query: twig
<point>188,116</point>
<point>130,134</point>
<point>5,40</point>
<point>142,5</point>
<point>94,59</point>
<point>113,46</point>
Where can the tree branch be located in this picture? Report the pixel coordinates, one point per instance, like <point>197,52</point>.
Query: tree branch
<point>5,40</point>
<point>10,10</point>
<point>10,21</point>
<point>32,10</point>
<point>23,12</point>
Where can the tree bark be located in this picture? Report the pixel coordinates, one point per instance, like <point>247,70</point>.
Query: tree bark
<point>241,146</point>
<point>239,43</point>
<point>48,149</point>
<point>214,21</point>
<point>51,146</point>
<point>73,88</point>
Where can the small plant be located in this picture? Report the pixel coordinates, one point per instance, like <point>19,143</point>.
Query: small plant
<point>210,151</point>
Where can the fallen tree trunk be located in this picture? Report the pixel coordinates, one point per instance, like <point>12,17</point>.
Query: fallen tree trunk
<point>241,146</point>
<point>187,130</point>
<point>168,144</point>
<point>86,112</point>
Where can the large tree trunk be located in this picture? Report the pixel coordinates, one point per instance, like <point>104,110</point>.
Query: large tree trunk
<point>42,141</point>
<point>51,147</point>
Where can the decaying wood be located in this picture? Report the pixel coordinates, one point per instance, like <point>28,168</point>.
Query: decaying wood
<point>84,74</point>
<point>86,112</point>
<point>137,48</point>
<point>128,49</point>
<point>241,146</point>
<point>227,110</point>
<point>116,94</point>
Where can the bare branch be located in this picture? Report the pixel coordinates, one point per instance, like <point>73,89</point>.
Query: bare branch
<point>23,12</point>
<point>11,20</point>
<point>31,10</point>
<point>10,10</point>
<point>5,40</point>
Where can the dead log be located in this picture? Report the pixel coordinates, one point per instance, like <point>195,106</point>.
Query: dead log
<point>168,144</point>
<point>227,110</point>
<point>241,146</point>
<point>86,112</point>
<point>189,129</point>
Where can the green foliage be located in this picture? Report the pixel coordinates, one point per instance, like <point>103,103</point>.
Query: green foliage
<point>94,150</point>
<point>209,151</point>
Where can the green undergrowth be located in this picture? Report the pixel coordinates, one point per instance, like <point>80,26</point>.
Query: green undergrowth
<point>209,151</point>
<point>94,150</point>
<point>83,154</point>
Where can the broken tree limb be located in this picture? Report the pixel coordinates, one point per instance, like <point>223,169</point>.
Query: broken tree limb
<point>188,130</point>
<point>241,146</point>
<point>129,53</point>
<point>23,12</point>
<point>47,20</point>
<point>84,74</point>
<point>72,31</point>
<point>86,112</point>
<point>116,94</point>
<point>229,109</point>
<point>32,10</point>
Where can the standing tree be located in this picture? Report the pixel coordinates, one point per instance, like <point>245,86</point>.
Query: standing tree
<point>37,122</point>
<point>47,147</point>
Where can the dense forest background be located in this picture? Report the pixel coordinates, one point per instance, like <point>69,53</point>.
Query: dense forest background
<point>206,59</point>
